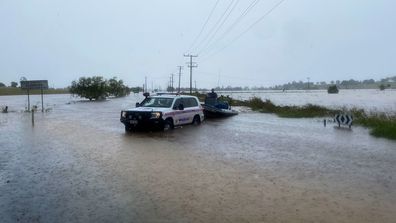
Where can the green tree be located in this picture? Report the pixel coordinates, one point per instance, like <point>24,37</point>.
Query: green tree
<point>332,89</point>
<point>2,84</point>
<point>170,89</point>
<point>382,87</point>
<point>14,84</point>
<point>136,90</point>
<point>90,87</point>
<point>117,88</point>
<point>97,87</point>
<point>369,81</point>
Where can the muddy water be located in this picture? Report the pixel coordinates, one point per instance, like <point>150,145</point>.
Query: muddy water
<point>371,100</point>
<point>77,165</point>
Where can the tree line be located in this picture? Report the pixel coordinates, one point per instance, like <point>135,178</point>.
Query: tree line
<point>389,82</point>
<point>12,84</point>
<point>97,87</point>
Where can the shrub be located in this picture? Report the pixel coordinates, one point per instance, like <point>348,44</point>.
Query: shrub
<point>257,104</point>
<point>332,89</point>
<point>97,87</point>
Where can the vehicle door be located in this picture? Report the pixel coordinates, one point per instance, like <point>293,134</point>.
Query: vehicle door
<point>190,107</point>
<point>180,117</point>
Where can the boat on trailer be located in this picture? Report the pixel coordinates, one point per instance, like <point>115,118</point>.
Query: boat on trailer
<point>214,112</point>
<point>215,108</point>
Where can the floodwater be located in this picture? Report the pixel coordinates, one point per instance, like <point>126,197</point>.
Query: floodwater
<point>371,100</point>
<point>78,165</point>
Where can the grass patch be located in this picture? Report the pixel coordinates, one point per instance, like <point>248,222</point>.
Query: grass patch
<point>380,125</point>
<point>307,111</point>
<point>257,104</point>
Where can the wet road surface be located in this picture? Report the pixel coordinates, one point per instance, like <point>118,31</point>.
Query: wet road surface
<point>249,168</point>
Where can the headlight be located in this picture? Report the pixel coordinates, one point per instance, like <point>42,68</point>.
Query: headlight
<point>123,114</point>
<point>155,115</point>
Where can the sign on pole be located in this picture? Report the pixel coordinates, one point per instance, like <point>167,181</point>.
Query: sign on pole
<point>35,85</point>
<point>343,119</point>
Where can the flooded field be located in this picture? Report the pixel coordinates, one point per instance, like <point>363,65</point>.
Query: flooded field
<point>372,100</point>
<point>78,165</point>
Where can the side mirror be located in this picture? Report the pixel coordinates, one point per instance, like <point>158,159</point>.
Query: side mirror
<point>137,104</point>
<point>181,107</point>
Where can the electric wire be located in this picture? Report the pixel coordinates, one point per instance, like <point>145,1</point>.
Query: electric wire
<point>218,28</point>
<point>204,26</point>
<point>245,31</point>
<point>216,24</point>
<point>234,24</point>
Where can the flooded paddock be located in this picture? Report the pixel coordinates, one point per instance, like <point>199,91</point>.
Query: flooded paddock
<point>78,165</point>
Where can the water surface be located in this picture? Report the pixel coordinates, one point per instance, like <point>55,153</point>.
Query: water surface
<point>78,165</point>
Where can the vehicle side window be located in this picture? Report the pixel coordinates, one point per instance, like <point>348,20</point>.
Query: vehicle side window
<point>194,102</point>
<point>177,103</point>
<point>186,102</point>
<point>190,102</point>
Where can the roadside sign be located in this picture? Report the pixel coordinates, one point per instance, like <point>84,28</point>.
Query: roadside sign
<point>34,84</point>
<point>343,119</point>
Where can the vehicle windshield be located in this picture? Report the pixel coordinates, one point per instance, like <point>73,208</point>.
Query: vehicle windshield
<point>157,102</point>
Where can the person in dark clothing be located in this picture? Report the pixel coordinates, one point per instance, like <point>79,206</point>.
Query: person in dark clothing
<point>212,94</point>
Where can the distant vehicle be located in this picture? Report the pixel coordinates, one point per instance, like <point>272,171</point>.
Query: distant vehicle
<point>163,112</point>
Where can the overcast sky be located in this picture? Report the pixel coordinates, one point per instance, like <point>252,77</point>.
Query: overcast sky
<point>323,40</point>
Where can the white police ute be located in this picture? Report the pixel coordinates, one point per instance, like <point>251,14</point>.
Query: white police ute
<point>163,112</point>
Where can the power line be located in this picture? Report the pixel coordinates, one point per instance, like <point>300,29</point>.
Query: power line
<point>233,25</point>
<point>203,27</point>
<point>216,24</point>
<point>218,28</point>
<point>229,77</point>
<point>250,27</point>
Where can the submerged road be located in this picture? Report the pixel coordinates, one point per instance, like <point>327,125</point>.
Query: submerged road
<point>249,168</point>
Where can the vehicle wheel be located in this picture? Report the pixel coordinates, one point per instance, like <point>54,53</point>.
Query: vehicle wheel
<point>168,125</point>
<point>128,128</point>
<point>196,120</point>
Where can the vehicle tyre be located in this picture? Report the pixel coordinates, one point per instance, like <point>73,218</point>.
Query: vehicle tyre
<point>196,120</point>
<point>128,128</point>
<point>168,124</point>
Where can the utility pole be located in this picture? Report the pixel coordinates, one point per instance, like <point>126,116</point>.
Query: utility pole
<point>308,82</point>
<point>195,82</point>
<point>218,81</point>
<point>169,84</point>
<point>172,83</point>
<point>145,84</point>
<point>191,66</point>
<point>180,68</point>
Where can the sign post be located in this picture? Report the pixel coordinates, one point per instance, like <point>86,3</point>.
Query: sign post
<point>28,100</point>
<point>35,85</point>
<point>42,100</point>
